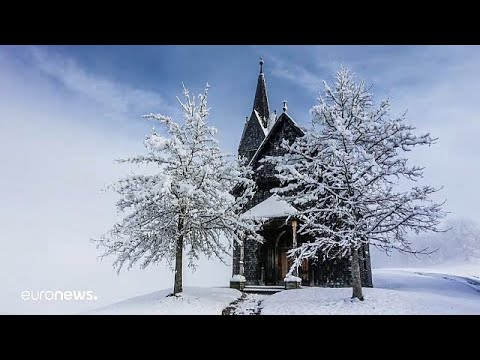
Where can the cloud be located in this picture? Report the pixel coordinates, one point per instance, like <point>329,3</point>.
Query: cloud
<point>118,97</point>
<point>388,68</point>
<point>294,73</point>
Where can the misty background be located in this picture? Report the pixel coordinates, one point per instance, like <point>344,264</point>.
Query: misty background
<point>66,112</point>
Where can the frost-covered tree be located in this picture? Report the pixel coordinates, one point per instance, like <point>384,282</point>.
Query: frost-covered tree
<point>344,174</point>
<point>185,203</point>
<point>462,242</point>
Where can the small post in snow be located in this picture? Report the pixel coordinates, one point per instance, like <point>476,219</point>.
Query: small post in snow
<point>242,250</point>
<point>294,240</point>
<point>238,280</point>
<point>293,281</point>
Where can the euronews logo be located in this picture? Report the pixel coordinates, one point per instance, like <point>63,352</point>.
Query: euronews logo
<point>59,295</point>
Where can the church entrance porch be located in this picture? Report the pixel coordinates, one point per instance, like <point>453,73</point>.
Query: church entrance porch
<point>275,262</point>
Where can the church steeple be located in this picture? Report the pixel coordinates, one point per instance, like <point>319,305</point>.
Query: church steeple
<point>260,104</point>
<point>256,126</point>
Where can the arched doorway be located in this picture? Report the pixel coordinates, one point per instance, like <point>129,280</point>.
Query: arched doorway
<point>276,263</point>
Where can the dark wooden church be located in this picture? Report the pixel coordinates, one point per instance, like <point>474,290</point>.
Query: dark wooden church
<point>267,263</point>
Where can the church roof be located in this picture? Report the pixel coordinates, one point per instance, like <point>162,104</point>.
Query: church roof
<point>273,207</point>
<point>283,117</point>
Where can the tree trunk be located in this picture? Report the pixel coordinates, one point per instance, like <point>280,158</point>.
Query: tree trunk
<point>178,288</point>
<point>356,278</point>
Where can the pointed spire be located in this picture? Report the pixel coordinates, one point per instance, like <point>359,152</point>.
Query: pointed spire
<point>261,100</point>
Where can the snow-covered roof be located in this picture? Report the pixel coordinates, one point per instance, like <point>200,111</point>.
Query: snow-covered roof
<point>265,130</point>
<point>273,207</point>
<point>283,117</point>
<point>271,121</point>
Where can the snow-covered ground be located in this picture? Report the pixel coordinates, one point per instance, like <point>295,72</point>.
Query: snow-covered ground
<point>469,269</point>
<point>436,290</point>
<point>446,289</point>
<point>193,301</point>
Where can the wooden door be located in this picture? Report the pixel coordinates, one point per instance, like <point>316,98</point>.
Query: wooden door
<point>284,264</point>
<point>270,274</point>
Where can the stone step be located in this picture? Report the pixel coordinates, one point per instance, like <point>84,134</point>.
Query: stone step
<point>263,289</point>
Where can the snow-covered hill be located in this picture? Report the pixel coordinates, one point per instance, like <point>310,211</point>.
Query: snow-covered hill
<point>448,289</point>
<point>397,291</point>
